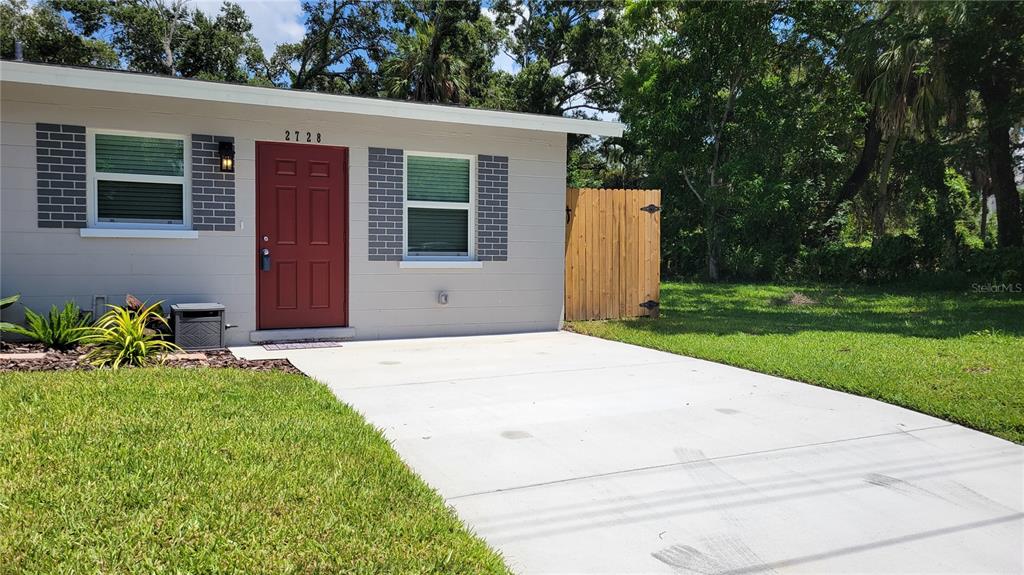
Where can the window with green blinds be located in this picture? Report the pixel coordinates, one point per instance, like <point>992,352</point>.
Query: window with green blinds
<point>138,155</point>
<point>438,232</point>
<point>434,179</point>
<point>143,202</point>
<point>138,180</point>
<point>438,206</point>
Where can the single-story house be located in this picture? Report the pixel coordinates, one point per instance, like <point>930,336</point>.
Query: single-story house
<point>307,215</point>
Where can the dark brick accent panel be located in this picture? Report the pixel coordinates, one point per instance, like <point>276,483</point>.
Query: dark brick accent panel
<point>492,208</point>
<point>387,178</point>
<point>60,175</point>
<point>213,191</point>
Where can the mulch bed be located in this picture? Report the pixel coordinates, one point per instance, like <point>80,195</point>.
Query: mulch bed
<point>67,360</point>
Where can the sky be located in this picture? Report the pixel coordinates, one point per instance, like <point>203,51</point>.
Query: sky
<point>273,21</point>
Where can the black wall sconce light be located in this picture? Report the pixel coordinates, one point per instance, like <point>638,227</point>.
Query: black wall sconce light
<point>227,156</point>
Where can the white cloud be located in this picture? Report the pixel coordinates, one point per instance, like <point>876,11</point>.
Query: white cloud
<point>273,21</point>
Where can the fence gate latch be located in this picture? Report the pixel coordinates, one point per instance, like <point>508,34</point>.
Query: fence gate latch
<point>651,208</point>
<point>650,305</point>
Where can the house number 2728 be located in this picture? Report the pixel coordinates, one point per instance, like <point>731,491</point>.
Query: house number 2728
<point>297,136</point>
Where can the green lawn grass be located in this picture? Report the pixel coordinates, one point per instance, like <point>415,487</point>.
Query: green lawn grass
<point>210,471</point>
<point>954,355</point>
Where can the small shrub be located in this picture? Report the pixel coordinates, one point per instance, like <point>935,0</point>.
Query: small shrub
<point>895,258</point>
<point>62,329</point>
<point>834,262</point>
<point>1001,265</point>
<point>743,262</point>
<point>122,338</point>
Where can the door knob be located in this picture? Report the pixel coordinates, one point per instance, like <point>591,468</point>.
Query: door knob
<point>265,260</point>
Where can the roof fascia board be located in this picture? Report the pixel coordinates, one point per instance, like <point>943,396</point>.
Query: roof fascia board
<point>114,81</point>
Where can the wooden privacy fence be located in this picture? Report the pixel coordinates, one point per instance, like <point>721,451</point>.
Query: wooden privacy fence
<point>612,253</point>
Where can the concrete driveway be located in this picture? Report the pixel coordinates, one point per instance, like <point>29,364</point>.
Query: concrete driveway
<point>571,454</point>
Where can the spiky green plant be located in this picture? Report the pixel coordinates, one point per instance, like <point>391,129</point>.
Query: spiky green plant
<point>121,338</point>
<point>61,329</point>
<point>4,304</point>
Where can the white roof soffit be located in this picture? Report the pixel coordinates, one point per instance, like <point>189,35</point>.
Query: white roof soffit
<point>132,83</point>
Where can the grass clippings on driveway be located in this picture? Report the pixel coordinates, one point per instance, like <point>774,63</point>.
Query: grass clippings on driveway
<point>955,355</point>
<point>210,471</point>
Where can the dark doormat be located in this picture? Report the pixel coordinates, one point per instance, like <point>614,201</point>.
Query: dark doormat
<point>301,345</point>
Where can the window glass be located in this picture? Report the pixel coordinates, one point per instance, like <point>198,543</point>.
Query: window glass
<point>139,202</point>
<point>136,155</point>
<point>441,232</point>
<point>438,206</point>
<point>433,179</point>
<point>139,180</point>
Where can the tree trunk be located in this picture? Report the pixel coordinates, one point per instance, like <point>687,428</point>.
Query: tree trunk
<point>713,241</point>
<point>934,177</point>
<point>715,187</point>
<point>983,227</point>
<point>995,94</point>
<point>868,157</point>
<point>853,184</point>
<point>168,56</point>
<point>980,177</point>
<point>882,198</point>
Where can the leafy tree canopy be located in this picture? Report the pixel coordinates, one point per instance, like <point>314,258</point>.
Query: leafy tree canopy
<point>783,133</point>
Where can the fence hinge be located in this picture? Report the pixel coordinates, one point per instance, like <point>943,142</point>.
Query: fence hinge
<point>650,304</point>
<point>651,208</point>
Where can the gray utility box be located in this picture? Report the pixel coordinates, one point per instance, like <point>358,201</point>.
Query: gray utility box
<point>198,325</point>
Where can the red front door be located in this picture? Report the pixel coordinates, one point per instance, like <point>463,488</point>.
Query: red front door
<point>301,235</point>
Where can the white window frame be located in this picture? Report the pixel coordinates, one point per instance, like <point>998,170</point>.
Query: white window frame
<point>93,177</point>
<point>470,207</point>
